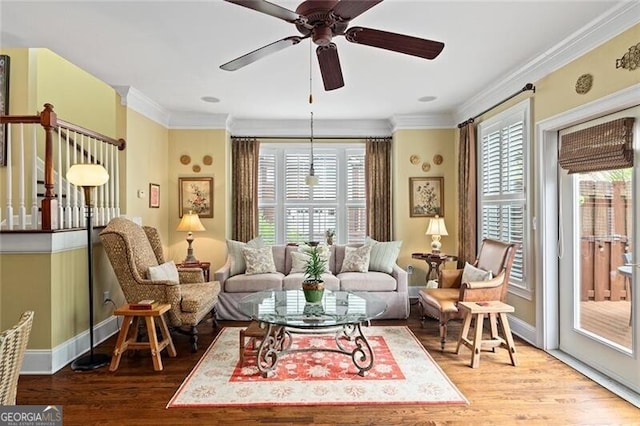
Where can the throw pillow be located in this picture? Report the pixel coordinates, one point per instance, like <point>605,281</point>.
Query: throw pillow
<point>238,265</point>
<point>471,274</point>
<point>383,255</point>
<point>259,260</point>
<point>356,259</point>
<point>165,272</point>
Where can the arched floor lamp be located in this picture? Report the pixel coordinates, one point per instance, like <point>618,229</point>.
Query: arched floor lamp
<point>89,176</point>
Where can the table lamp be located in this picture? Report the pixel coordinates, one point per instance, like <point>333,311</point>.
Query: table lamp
<point>436,228</point>
<point>190,222</point>
<point>89,176</point>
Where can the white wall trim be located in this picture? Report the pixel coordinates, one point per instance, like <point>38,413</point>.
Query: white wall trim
<point>134,99</point>
<point>522,329</point>
<point>301,128</point>
<point>192,120</point>
<point>54,242</point>
<point>426,121</point>
<point>602,29</point>
<point>42,361</point>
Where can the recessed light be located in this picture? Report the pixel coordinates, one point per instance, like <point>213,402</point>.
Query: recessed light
<point>427,98</point>
<point>210,99</point>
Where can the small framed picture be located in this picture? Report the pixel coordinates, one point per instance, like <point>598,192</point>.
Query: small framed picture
<point>154,195</point>
<point>196,195</point>
<point>426,196</point>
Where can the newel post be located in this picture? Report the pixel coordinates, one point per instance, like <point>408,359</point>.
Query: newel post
<point>49,121</point>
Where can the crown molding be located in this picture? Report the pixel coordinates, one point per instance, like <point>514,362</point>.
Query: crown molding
<point>139,102</point>
<point>301,128</point>
<point>198,120</point>
<point>610,24</point>
<point>427,121</point>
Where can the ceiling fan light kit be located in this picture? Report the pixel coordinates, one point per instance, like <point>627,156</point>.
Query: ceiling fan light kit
<point>321,20</point>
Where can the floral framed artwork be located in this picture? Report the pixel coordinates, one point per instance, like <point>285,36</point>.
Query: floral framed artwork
<point>426,196</point>
<point>196,195</point>
<point>154,195</point>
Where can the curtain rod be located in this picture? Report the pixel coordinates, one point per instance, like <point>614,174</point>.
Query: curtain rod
<point>527,87</point>
<point>315,138</point>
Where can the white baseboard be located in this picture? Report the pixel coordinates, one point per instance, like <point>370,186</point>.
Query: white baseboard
<point>413,291</point>
<point>49,361</point>
<point>523,329</point>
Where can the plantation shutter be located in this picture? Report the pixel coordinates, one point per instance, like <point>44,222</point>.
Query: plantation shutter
<point>296,168</point>
<point>356,197</point>
<point>267,196</point>
<point>606,146</point>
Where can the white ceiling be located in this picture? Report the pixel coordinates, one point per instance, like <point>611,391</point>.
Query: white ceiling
<point>170,51</point>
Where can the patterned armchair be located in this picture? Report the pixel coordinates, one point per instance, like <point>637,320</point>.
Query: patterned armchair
<point>13,344</point>
<point>132,250</point>
<point>442,302</point>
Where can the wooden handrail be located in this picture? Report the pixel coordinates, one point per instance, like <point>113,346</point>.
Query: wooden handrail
<point>120,143</point>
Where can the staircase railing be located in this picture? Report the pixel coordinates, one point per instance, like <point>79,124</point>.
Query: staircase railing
<point>63,145</point>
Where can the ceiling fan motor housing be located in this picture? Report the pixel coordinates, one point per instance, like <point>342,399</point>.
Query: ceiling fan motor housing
<point>321,23</point>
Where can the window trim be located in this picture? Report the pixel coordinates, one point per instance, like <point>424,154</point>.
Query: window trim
<point>523,109</point>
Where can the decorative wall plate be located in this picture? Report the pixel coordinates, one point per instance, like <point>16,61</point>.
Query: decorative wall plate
<point>207,160</point>
<point>437,159</point>
<point>196,168</point>
<point>426,166</point>
<point>185,159</point>
<point>584,83</point>
<point>414,159</point>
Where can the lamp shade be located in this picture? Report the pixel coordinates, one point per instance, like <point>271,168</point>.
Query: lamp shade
<point>436,227</point>
<point>190,222</point>
<point>311,180</point>
<point>87,175</point>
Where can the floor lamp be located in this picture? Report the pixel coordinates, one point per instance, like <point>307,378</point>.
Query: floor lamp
<point>89,176</point>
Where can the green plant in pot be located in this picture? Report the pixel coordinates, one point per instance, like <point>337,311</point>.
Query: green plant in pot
<point>313,285</point>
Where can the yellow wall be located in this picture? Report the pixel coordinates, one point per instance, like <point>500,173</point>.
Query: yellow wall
<point>425,144</point>
<point>209,245</point>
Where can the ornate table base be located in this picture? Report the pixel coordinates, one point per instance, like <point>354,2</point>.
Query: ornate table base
<point>278,340</point>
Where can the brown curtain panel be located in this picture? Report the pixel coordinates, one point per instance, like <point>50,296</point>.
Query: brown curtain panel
<point>245,153</point>
<point>467,195</point>
<point>378,188</point>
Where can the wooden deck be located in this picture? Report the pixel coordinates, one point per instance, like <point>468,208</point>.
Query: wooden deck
<point>607,319</point>
<point>540,391</point>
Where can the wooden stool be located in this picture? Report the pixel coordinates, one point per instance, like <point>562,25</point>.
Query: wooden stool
<point>478,310</point>
<point>129,330</point>
<point>255,333</point>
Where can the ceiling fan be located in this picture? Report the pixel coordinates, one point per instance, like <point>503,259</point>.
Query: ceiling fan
<point>324,19</point>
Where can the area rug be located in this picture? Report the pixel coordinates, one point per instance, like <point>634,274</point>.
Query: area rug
<point>403,373</point>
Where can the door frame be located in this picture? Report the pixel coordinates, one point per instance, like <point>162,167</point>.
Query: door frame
<point>546,240</point>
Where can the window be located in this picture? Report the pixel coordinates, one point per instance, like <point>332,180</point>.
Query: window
<point>502,188</point>
<point>292,212</point>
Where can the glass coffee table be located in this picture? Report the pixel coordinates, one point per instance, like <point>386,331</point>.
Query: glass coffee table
<point>285,313</point>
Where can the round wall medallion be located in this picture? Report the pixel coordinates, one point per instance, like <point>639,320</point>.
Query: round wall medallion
<point>437,159</point>
<point>196,168</point>
<point>426,166</point>
<point>185,159</point>
<point>584,83</point>
<point>414,159</point>
<point>207,160</point>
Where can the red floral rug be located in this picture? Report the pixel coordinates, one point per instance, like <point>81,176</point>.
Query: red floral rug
<point>403,373</point>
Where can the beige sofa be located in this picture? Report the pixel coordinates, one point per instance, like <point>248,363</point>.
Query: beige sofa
<point>392,288</point>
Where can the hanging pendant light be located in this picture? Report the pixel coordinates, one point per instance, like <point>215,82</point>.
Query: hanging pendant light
<point>311,179</point>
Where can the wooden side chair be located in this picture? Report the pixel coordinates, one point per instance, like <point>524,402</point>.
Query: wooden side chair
<point>13,344</point>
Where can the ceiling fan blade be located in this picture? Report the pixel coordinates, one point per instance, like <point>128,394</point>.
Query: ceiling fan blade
<point>330,66</point>
<point>349,9</point>
<point>408,45</point>
<point>271,10</point>
<point>261,53</point>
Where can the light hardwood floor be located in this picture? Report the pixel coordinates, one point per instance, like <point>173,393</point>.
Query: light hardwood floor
<point>541,390</point>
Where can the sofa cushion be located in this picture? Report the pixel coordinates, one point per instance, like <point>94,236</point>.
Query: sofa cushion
<point>252,283</point>
<point>194,296</point>
<point>259,260</point>
<point>356,259</point>
<point>165,272</point>
<point>368,281</point>
<point>294,281</point>
<point>473,274</point>
<point>234,248</point>
<point>383,255</point>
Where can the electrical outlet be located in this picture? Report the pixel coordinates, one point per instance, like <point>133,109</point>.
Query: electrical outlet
<point>409,269</point>
<point>106,296</point>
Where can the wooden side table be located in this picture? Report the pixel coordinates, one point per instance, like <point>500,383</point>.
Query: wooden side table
<point>205,266</point>
<point>478,310</point>
<point>129,331</point>
<point>434,260</point>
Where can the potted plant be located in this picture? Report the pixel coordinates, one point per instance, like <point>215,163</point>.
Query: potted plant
<point>313,286</point>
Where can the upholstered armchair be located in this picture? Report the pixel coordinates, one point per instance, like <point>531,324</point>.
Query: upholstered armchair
<point>135,252</point>
<point>441,303</point>
<point>13,344</point>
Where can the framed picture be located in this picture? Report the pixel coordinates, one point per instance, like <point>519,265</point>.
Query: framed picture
<point>196,195</point>
<point>4,106</point>
<point>154,195</point>
<point>426,196</point>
